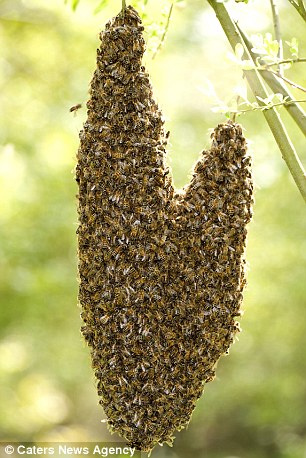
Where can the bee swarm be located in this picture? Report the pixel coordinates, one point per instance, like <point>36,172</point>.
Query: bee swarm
<point>161,273</point>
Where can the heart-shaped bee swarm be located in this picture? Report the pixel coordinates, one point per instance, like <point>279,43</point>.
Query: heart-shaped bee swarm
<point>161,273</point>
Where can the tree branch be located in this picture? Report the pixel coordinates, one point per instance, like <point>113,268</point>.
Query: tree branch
<point>295,110</point>
<point>272,117</point>
<point>300,7</point>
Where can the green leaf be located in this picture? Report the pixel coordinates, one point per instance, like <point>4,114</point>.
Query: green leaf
<point>279,96</point>
<point>247,64</point>
<point>100,6</point>
<point>261,99</point>
<point>241,91</point>
<point>209,91</point>
<point>268,58</point>
<point>259,50</point>
<point>273,48</point>
<point>222,108</point>
<point>74,4</point>
<point>269,100</point>
<point>286,66</point>
<point>294,47</point>
<point>265,45</point>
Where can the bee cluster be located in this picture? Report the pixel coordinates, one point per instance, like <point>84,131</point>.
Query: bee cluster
<point>161,273</point>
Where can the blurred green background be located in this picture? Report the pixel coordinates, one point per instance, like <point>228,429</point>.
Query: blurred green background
<point>256,407</point>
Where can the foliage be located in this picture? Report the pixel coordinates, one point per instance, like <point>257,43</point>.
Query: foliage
<point>268,50</point>
<point>270,53</point>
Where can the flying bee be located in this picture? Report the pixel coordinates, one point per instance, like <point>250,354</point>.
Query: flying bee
<point>75,108</point>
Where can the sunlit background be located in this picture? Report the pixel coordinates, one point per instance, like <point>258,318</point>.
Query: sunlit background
<point>256,407</point>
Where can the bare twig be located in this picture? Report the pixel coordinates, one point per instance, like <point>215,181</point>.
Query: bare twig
<point>277,32</point>
<point>235,112</point>
<point>259,90</point>
<point>268,107</point>
<point>160,44</point>
<point>292,83</point>
<point>286,61</point>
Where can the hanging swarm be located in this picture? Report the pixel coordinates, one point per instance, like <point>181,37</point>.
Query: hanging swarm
<point>161,273</point>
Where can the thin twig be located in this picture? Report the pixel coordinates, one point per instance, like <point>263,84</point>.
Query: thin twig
<point>292,83</point>
<point>268,107</point>
<point>123,6</point>
<point>286,61</point>
<point>259,90</point>
<point>295,110</point>
<point>277,32</point>
<point>160,44</point>
<point>234,112</point>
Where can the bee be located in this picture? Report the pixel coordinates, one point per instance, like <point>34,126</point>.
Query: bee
<point>141,295</point>
<point>117,174</point>
<point>104,319</point>
<point>115,197</point>
<point>117,252</point>
<point>126,204</point>
<point>118,154</point>
<point>75,108</point>
<point>139,105</point>
<point>134,231</point>
<point>107,86</point>
<point>119,295</point>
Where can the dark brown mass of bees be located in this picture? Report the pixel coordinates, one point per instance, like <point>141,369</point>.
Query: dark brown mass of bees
<point>161,273</point>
